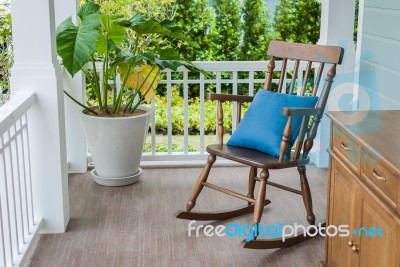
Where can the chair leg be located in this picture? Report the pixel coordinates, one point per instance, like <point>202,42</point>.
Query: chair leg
<point>259,204</point>
<point>252,182</point>
<point>306,193</point>
<point>199,186</point>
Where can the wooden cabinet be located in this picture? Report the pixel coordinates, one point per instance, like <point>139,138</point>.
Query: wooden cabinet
<point>364,186</point>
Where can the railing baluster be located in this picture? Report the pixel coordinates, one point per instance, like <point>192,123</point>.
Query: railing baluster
<point>28,159</point>
<point>218,83</point>
<point>17,188</point>
<point>12,176</point>
<point>2,220</point>
<point>218,91</point>
<point>23,171</point>
<point>185,112</point>
<point>17,218</point>
<point>234,107</point>
<point>153,127</point>
<point>169,111</point>
<point>202,89</point>
<point>251,83</point>
<point>7,200</point>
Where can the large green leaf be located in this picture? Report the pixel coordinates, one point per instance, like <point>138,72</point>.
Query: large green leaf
<point>171,59</point>
<point>110,30</point>
<point>76,44</point>
<point>141,25</point>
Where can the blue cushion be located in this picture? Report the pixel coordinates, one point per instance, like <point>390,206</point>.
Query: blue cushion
<point>262,126</point>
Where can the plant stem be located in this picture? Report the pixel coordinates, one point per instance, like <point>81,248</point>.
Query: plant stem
<point>119,98</point>
<point>105,74</point>
<point>80,104</point>
<point>96,86</point>
<point>114,99</point>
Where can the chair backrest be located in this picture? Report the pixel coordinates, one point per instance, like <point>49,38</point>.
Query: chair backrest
<point>309,53</point>
<point>301,52</point>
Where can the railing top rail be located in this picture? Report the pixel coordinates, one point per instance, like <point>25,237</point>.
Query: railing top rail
<point>15,108</point>
<point>227,65</point>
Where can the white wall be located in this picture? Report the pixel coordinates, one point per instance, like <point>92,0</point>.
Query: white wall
<point>380,55</point>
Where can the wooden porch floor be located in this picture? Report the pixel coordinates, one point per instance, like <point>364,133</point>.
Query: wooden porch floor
<point>134,225</point>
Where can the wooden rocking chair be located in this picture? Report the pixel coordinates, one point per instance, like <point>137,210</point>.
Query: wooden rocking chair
<point>260,160</point>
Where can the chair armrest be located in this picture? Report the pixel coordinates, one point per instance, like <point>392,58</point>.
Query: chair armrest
<point>301,111</point>
<point>225,97</point>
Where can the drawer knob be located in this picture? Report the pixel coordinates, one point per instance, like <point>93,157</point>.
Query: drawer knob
<point>354,248</point>
<point>377,176</point>
<point>345,147</point>
<point>350,243</point>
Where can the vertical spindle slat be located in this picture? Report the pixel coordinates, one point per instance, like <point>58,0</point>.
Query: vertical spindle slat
<point>300,139</point>
<point>238,112</point>
<point>282,77</point>
<point>318,78</point>
<point>307,74</point>
<point>294,76</point>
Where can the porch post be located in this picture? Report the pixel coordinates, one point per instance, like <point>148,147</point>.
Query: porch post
<point>76,141</point>
<point>36,68</point>
<point>337,28</point>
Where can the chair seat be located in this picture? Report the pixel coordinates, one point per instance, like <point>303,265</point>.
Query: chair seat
<point>253,157</point>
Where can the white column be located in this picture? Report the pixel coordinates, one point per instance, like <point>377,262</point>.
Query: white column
<point>36,68</point>
<point>76,141</point>
<point>337,27</point>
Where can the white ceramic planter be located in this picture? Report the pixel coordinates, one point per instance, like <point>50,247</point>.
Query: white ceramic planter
<point>116,145</point>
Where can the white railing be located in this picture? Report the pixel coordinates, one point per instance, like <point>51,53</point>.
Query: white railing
<point>18,224</point>
<point>251,70</point>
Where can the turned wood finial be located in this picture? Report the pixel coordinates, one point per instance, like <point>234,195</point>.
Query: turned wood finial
<point>270,70</point>
<point>285,138</point>
<point>332,71</point>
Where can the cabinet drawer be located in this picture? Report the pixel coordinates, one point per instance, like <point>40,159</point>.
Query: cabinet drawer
<point>381,175</point>
<point>347,148</point>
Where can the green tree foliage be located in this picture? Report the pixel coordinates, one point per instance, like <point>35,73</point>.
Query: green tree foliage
<point>196,18</point>
<point>357,8</point>
<point>256,30</point>
<point>155,9</point>
<point>226,36</point>
<point>6,50</point>
<point>297,21</point>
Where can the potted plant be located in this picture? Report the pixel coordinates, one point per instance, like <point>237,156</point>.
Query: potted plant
<point>117,124</point>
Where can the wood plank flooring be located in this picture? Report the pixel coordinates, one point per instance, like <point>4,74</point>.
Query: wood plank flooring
<point>134,225</point>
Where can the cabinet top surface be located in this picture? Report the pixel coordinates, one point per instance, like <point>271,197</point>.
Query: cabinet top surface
<point>378,130</point>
